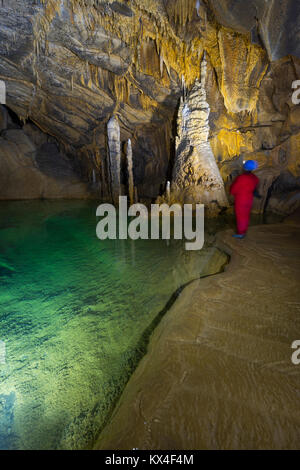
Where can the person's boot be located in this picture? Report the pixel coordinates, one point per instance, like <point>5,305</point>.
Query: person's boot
<point>239,235</point>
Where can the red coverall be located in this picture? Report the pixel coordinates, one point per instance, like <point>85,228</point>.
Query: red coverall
<point>242,189</point>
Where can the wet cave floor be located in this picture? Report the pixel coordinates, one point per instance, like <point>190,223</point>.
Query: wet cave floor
<point>222,367</point>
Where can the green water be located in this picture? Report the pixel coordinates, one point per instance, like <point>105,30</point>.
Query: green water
<point>72,312</point>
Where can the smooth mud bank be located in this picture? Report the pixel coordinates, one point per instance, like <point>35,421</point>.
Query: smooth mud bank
<point>218,372</point>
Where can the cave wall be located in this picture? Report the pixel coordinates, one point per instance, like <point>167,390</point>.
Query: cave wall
<point>69,65</point>
<point>32,165</point>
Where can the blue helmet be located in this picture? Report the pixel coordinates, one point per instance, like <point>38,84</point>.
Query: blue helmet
<point>250,165</point>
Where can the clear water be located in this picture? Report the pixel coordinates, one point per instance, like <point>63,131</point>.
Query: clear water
<point>73,310</point>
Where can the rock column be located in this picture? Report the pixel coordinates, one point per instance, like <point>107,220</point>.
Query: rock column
<point>196,177</point>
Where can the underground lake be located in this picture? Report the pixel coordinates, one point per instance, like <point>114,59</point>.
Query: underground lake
<point>76,313</point>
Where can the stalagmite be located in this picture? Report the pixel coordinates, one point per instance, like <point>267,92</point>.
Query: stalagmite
<point>168,191</point>
<point>130,172</point>
<point>196,177</point>
<point>114,150</point>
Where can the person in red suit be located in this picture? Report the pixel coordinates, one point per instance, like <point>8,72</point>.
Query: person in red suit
<point>243,189</point>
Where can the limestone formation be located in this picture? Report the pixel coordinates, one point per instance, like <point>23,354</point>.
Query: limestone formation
<point>114,150</point>
<point>69,65</point>
<point>196,177</point>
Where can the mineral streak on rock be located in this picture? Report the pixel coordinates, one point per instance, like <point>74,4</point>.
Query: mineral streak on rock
<point>114,150</point>
<point>196,177</point>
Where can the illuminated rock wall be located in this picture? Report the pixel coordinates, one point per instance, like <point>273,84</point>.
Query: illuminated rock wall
<point>69,65</point>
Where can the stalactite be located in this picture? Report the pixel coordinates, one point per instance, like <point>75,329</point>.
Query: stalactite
<point>45,18</point>
<point>161,64</point>
<point>157,49</point>
<point>170,48</point>
<point>182,10</point>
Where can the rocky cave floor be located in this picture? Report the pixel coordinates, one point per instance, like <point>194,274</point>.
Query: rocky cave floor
<point>218,372</point>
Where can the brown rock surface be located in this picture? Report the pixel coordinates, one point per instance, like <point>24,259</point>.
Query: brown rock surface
<point>274,23</point>
<point>32,167</point>
<point>218,372</point>
<point>69,65</point>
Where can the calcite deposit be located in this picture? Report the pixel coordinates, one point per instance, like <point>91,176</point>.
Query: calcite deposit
<point>70,65</point>
<point>196,176</point>
<point>114,150</point>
